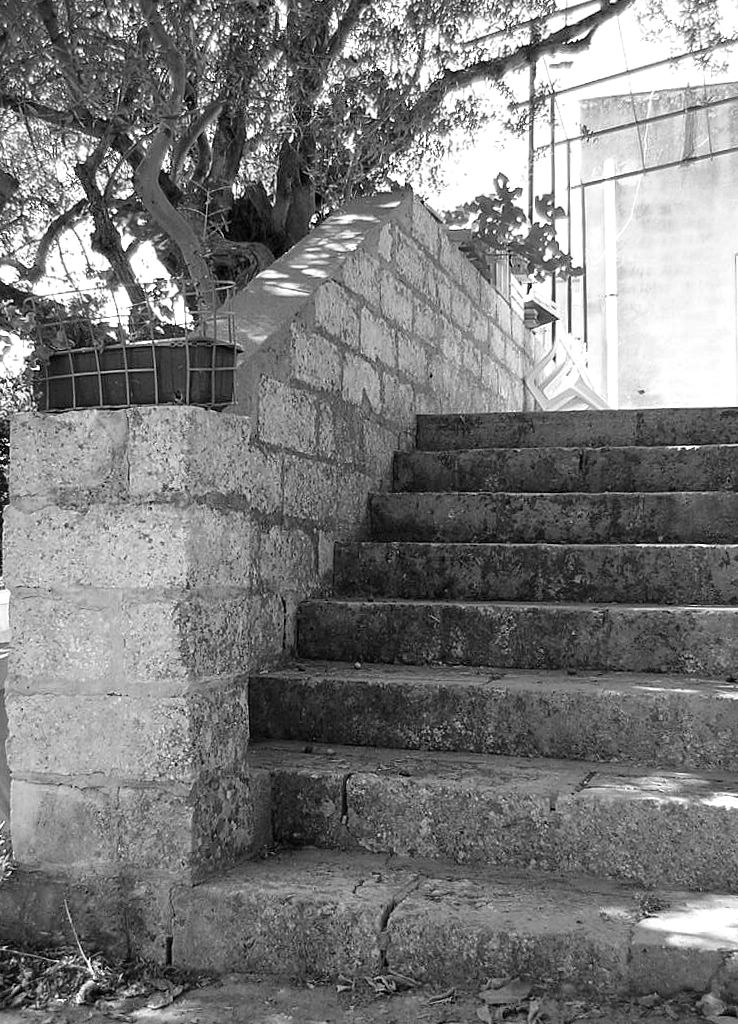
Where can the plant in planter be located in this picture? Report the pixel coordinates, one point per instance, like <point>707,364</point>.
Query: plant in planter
<point>499,227</point>
<point>87,351</point>
<point>141,124</point>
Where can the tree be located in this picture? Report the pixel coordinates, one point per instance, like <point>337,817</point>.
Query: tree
<point>219,130</point>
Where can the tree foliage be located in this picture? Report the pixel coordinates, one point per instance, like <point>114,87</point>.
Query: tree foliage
<point>499,226</point>
<point>218,131</point>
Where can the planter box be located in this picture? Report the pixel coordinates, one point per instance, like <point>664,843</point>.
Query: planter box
<point>171,371</point>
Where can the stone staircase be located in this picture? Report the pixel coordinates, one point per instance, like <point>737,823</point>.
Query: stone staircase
<point>511,747</point>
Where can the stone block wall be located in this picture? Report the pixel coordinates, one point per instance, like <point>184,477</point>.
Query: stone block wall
<point>128,552</point>
<point>373,318</point>
<point>156,556</point>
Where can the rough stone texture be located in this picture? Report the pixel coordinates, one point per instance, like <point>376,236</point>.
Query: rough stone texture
<point>116,914</point>
<point>632,468</point>
<point>645,826</point>
<point>622,638</point>
<point>632,571</point>
<point>436,925</point>
<point>155,739</point>
<point>156,556</point>
<point>344,342</point>
<point>136,613</point>
<point>666,721</point>
<point>635,573</point>
<point>579,429</point>
<point>618,518</point>
<point>243,922</point>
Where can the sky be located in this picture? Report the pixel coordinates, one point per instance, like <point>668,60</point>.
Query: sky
<point>617,46</point>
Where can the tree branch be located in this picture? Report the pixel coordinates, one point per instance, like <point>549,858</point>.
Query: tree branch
<point>146,177</point>
<point>175,60</point>
<point>185,144</point>
<point>76,120</point>
<point>60,45</point>
<point>105,238</point>
<point>60,224</point>
<point>345,27</point>
<point>572,37</point>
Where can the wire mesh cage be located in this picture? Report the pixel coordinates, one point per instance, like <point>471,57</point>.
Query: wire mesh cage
<point>157,352</point>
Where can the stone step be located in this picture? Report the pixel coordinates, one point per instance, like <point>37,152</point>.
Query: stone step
<point>618,573</point>
<point>579,429</point>
<point>622,638</point>
<point>318,915</point>
<point>535,470</point>
<point>666,518</point>
<point>652,720</point>
<point>642,825</point>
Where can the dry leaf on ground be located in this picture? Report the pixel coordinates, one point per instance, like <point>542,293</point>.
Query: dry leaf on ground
<point>513,991</point>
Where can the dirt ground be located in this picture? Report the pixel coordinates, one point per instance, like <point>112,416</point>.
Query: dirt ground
<point>243,1000</point>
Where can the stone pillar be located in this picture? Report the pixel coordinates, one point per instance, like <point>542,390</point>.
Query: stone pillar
<point>128,556</point>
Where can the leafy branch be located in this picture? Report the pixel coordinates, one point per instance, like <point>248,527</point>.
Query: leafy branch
<point>501,226</point>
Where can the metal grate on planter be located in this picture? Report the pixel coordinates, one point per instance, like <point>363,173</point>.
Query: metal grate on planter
<point>191,362</point>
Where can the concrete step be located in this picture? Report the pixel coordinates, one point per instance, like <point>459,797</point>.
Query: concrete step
<point>579,429</point>
<point>618,573</point>
<point>666,518</point>
<point>317,915</point>
<point>622,638</point>
<point>697,468</point>
<point>652,720</point>
<point>642,825</point>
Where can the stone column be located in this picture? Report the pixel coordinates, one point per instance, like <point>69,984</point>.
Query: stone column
<point>128,556</point>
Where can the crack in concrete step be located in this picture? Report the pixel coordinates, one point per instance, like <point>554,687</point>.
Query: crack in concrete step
<point>648,826</point>
<point>457,927</point>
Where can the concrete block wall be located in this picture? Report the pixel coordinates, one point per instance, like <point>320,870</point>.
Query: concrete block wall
<point>127,551</point>
<point>373,318</point>
<point>156,556</point>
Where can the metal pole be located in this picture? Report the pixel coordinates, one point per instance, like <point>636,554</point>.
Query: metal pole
<point>569,283</point>
<point>531,127</point>
<point>585,317</point>
<point>610,231</point>
<point>552,120</point>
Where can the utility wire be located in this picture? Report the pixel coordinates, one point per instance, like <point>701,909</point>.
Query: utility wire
<point>632,97</point>
<point>726,44</point>
<point>697,107</point>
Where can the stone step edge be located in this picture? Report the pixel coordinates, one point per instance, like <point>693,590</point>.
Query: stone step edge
<point>301,668</point>
<point>558,777</point>
<point>696,640</point>
<point>638,426</point>
<point>667,574</point>
<point>569,496</point>
<point>319,914</point>
<point>507,545</point>
<point>573,447</point>
<point>556,606</point>
<point>647,826</point>
<point>625,718</point>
